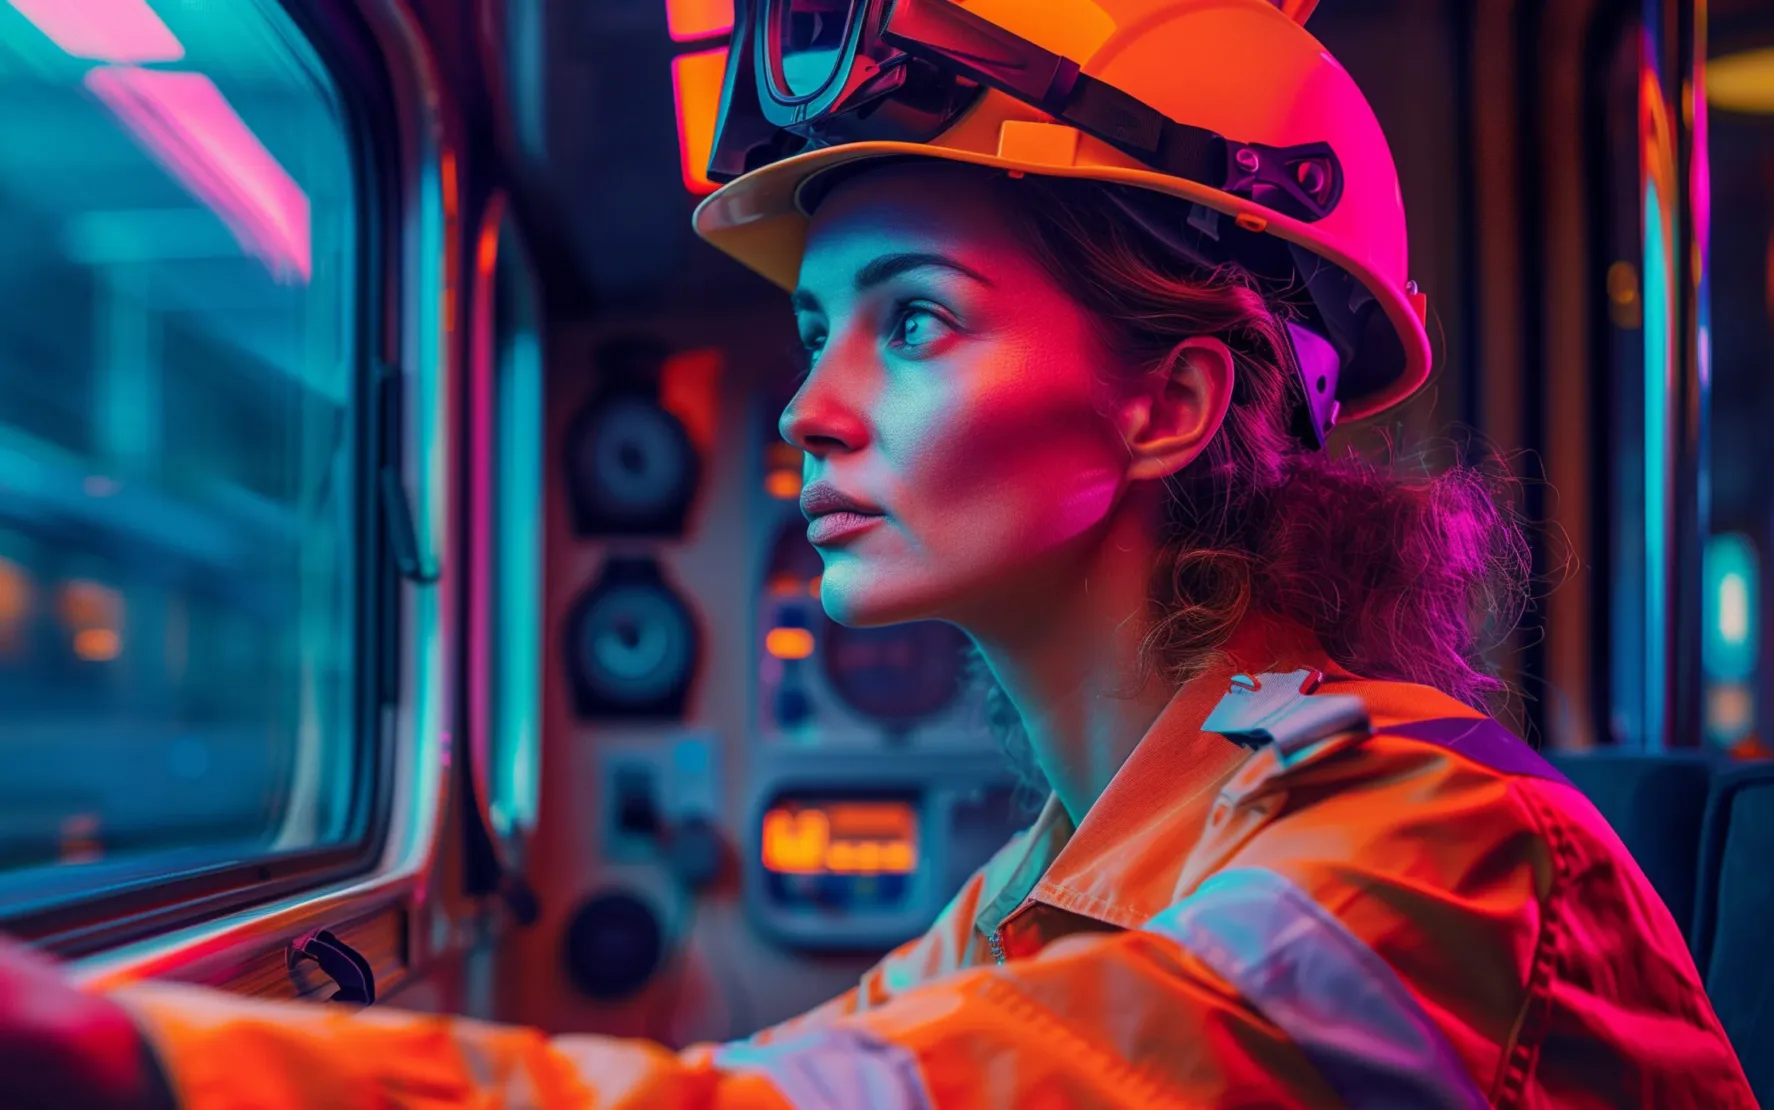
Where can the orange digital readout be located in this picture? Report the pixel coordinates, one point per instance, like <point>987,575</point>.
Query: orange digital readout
<point>841,838</point>
<point>789,643</point>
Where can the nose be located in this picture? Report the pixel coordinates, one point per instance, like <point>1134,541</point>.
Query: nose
<point>825,417</point>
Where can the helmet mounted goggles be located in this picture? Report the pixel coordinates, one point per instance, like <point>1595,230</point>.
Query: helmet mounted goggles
<point>805,74</point>
<point>813,86</point>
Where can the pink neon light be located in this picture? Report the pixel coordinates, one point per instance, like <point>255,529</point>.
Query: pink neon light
<point>183,120</point>
<point>104,30</point>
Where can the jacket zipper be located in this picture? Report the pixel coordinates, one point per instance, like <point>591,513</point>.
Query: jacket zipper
<point>996,941</point>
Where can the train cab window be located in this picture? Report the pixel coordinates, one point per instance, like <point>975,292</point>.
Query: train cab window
<point>1736,656</point>
<point>180,466</point>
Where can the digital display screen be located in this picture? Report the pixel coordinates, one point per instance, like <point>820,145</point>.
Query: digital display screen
<point>841,838</point>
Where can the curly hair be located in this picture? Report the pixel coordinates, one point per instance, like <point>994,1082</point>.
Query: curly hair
<point>1400,572</point>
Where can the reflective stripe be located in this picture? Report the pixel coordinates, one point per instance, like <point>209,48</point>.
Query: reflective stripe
<point>1483,741</point>
<point>1338,1001</point>
<point>834,1069</point>
<point>504,1082</point>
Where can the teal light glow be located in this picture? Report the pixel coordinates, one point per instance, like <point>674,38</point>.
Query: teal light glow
<point>1657,480</point>
<point>428,340</point>
<point>1732,598</point>
<point>518,631</point>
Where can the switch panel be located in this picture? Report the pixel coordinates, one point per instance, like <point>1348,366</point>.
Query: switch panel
<point>648,788</point>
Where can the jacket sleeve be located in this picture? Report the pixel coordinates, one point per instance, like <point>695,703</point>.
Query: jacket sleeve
<point>1255,989</point>
<point>1129,1020</point>
<point>313,1056</point>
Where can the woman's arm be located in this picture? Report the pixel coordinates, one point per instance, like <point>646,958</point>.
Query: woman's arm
<point>1174,1014</point>
<point>1126,1020</point>
<point>60,1047</point>
<point>1257,989</point>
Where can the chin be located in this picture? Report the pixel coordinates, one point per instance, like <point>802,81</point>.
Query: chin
<point>859,598</point>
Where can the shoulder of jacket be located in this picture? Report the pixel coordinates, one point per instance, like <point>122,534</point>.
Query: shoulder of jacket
<point>1283,716</point>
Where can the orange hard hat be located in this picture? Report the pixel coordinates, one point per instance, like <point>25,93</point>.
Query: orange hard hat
<point>1246,70</point>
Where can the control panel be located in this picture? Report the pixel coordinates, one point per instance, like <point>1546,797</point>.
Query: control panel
<point>861,852</point>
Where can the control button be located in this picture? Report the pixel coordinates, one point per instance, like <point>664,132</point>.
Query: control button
<point>793,707</point>
<point>696,851</point>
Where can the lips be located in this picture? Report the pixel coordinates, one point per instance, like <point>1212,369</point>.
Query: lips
<point>823,499</point>
<point>833,516</point>
<point>833,529</point>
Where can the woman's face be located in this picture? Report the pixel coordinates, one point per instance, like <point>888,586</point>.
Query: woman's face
<point>956,396</point>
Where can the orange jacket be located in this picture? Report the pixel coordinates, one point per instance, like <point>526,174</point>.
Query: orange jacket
<point>1420,915</point>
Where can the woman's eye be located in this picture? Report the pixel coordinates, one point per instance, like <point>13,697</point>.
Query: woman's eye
<point>919,327</point>
<point>813,344</point>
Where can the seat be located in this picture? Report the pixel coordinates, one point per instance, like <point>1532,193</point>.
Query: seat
<point>1734,916</point>
<point>1656,805</point>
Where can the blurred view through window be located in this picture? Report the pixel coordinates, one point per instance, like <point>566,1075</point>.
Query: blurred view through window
<point>178,480</point>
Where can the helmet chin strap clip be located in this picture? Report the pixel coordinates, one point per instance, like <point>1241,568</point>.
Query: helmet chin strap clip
<point>1319,366</point>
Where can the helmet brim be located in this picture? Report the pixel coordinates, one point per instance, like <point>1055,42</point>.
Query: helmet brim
<point>760,220</point>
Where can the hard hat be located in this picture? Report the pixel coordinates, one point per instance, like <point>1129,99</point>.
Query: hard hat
<point>1230,105</point>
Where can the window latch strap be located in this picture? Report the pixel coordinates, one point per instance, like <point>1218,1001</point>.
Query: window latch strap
<point>346,966</point>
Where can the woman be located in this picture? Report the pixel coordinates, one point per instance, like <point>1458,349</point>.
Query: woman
<point>1075,405</point>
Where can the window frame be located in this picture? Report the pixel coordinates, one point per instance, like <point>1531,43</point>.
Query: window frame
<point>496,856</point>
<point>145,900</point>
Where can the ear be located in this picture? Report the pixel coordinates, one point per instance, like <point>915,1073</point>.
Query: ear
<point>1176,412</point>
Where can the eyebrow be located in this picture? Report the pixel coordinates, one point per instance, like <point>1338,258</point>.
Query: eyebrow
<point>886,268</point>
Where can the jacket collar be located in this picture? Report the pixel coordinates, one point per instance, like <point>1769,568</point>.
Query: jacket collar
<point>1120,864</point>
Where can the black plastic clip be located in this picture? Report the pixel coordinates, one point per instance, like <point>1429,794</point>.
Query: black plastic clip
<point>348,968</point>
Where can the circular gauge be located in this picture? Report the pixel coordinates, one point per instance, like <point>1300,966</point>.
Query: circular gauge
<point>899,674</point>
<point>636,644</point>
<point>635,468</point>
<point>614,944</point>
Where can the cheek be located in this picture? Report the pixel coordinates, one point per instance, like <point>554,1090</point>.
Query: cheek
<point>1016,464</point>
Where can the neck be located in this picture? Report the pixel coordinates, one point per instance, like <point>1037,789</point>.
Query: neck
<point>1072,672</point>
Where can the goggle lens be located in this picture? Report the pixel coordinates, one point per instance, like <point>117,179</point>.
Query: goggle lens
<point>810,36</point>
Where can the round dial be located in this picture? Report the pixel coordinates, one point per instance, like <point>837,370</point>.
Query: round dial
<point>635,462</point>
<point>898,674</point>
<point>636,644</point>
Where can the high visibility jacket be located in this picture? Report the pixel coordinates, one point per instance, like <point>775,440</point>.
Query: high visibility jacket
<point>1423,914</point>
